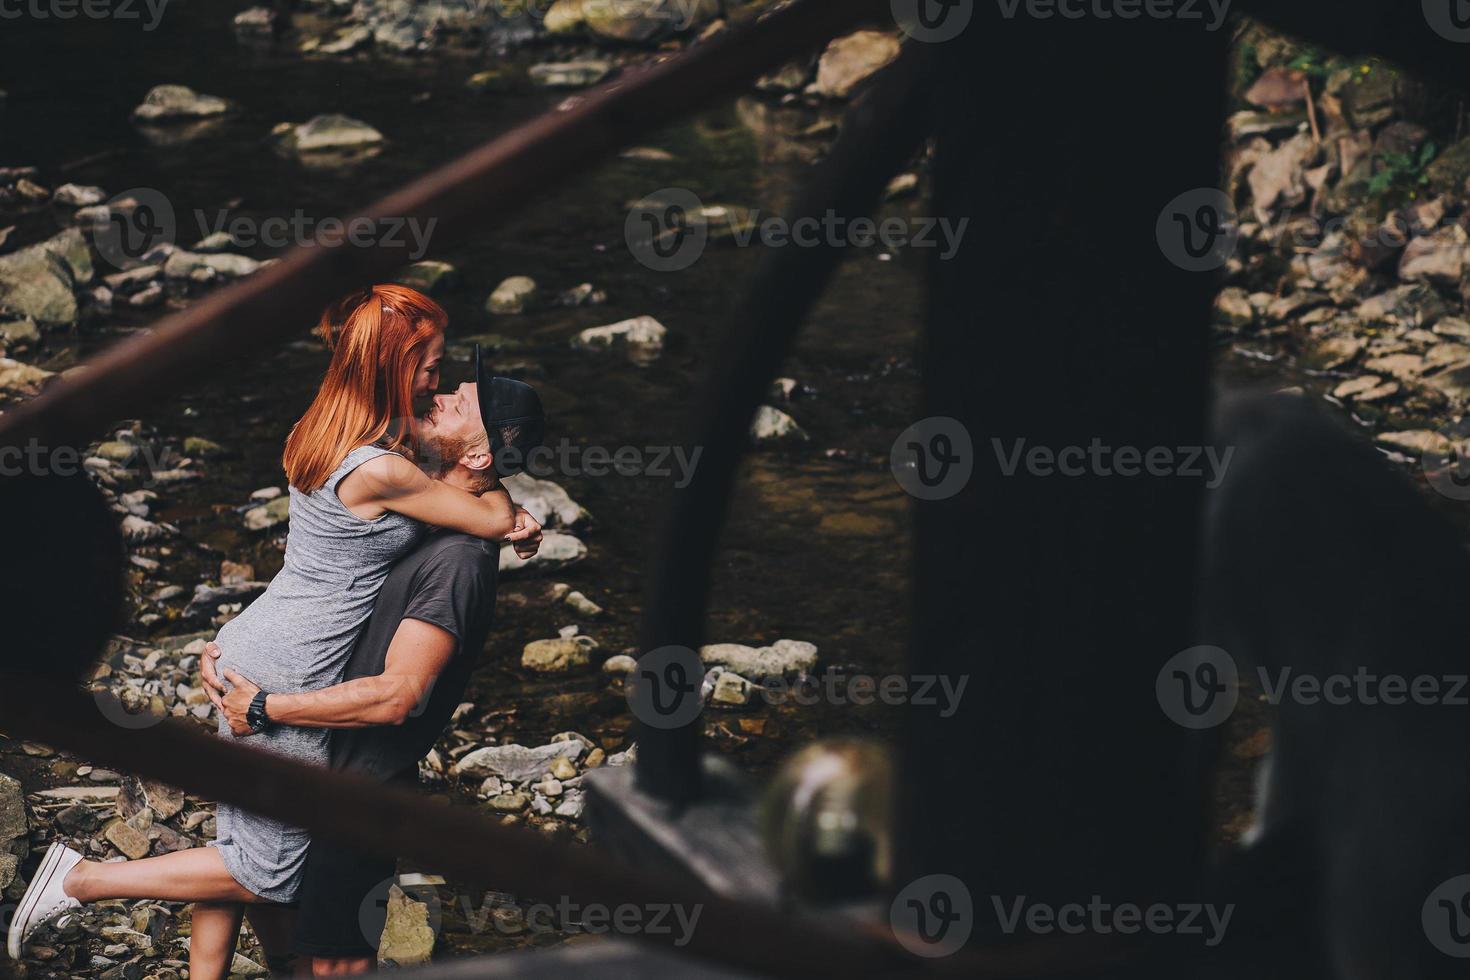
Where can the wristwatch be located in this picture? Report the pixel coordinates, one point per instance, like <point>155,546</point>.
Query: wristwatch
<point>255,715</point>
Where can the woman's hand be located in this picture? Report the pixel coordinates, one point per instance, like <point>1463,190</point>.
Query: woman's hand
<point>237,704</point>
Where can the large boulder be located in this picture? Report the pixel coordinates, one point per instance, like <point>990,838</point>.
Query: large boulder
<point>14,830</point>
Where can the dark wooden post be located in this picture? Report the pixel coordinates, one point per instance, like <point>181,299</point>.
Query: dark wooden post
<point>1061,322</point>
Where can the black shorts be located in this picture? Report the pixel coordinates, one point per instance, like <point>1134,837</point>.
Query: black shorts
<point>344,902</point>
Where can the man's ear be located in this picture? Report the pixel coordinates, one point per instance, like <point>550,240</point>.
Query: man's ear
<point>477,461</point>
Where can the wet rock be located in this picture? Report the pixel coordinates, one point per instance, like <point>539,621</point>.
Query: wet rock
<point>562,768</point>
<point>235,573</point>
<point>36,283</point>
<point>732,691</point>
<point>1233,307</point>
<point>582,605</point>
<point>642,21</point>
<point>849,61</point>
<point>583,294</point>
<point>267,494</point>
<point>1448,173</point>
<point>19,333</point>
<point>558,656</point>
<point>273,514</point>
<point>642,336</point>
<point>513,295</point>
<point>78,195</point>
<point>510,802</point>
<point>1370,100</point>
<point>203,448</point>
<point>564,17</point>
<point>76,819</point>
<point>133,280</point>
<point>773,425</point>
<point>1245,124</point>
<point>570,74</point>
<point>208,598</point>
<point>516,764</point>
<point>429,276</point>
<point>596,758</point>
<point>255,23</point>
<point>547,501</point>
<point>127,839</point>
<point>782,658</point>
<point>408,938</point>
<point>244,966</point>
<point>1438,257</point>
<point>20,377</point>
<point>492,786</point>
<point>14,828</point>
<point>1405,367</point>
<point>1356,386</point>
<point>135,530</point>
<point>1418,441</point>
<point>901,186</point>
<point>1277,178</point>
<point>183,264</point>
<point>558,550</point>
<point>330,132</point>
<point>172,103</point>
<point>620,664</point>
<point>571,807</point>
<point>790,77</point>
<point>1278,88</point>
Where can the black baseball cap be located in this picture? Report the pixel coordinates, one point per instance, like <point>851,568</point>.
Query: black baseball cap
<point>508,402</point>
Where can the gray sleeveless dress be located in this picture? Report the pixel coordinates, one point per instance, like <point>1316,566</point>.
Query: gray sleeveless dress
<point>298,637</point>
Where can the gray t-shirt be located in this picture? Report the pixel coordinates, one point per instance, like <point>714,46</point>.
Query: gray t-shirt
<point>449,581</point>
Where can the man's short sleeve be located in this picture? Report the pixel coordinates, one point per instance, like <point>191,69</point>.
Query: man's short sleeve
<point>455,591</point>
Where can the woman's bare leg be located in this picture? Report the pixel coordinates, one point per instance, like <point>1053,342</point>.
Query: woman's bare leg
<point>195,875</point>
<point>212,938</point>
<point>274,926</point>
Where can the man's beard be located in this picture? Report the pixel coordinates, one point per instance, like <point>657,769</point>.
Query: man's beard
<point>440,454</point>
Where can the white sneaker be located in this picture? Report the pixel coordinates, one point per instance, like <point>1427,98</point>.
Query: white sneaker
<point>44,900</point>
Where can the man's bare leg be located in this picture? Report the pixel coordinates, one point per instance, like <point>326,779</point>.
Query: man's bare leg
<point>195,875</point>
<point>215,931</point>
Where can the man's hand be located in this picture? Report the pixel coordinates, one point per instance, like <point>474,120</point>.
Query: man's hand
<point>237,704</point>
<point>526,538</point>
<point>212,684</point>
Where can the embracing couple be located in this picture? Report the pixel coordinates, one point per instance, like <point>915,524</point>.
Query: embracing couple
<point>372,627</point>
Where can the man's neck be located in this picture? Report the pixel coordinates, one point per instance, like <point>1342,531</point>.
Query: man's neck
<point>460,477</point>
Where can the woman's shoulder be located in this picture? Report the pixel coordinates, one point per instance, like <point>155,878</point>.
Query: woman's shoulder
<point>385,472</point>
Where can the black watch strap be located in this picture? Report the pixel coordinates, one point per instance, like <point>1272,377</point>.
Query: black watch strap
<point>255,715</point>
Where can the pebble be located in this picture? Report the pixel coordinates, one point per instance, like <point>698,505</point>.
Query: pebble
<point>619,664</point>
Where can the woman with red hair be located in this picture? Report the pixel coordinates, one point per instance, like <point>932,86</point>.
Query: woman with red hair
<point>359,502</point>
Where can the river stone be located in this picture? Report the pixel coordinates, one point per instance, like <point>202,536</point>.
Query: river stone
<point>564,17</point>
<point>128,839</point>
<point>275,513</point>
<point>1278,178</point>
<point>732,690</point>
<point>1438,258</point>
<point>516,763</point>
<point>408,938</point>
<point>582,605</point>
<point>620,664</point>
<point>849,60</point>
<point>135,530</point>
<point>558,656</point>
<point>642,335</point>
<point>1405,367</point>
<point>558,550</point>
<point>1353,387</point>
<point>20,333</point>
<point>166,103</point>
<point>509,802</point>
<point>562,768</point>
<point>513,295</point>
<point>183,264</point>
<point>1420,441</point>
<point>773,425</point>
<point>782,658</point>
<point>208,598</point>
<point>1233,307</point>
<point>36,283</point>
<point>1334,352</point>
<point>546,500</point>
<point>428,276</point>
<point>78,195</point>
<point>641,21</point>
<point>20,377</point>
<point>331,131</point>
<point>13,825</point>
<point>570,74</point>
